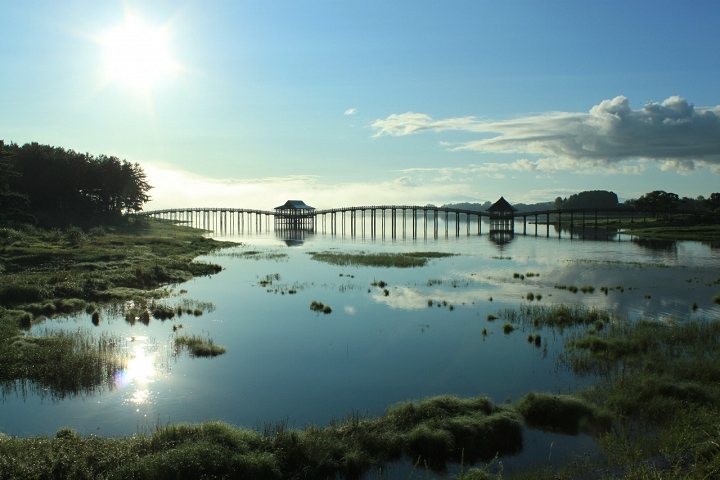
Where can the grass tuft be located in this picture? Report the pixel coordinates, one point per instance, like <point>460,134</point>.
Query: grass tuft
<point>564,414</point>
<point>199,346</point>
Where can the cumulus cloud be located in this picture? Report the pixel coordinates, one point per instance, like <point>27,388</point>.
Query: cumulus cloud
<point>351,111</point>
<point>675,133</point>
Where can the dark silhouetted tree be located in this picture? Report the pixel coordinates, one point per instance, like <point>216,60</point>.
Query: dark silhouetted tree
<point>69,187</point>
<point>658,201</point>
<point>588,199</point>
<point>14,206</point>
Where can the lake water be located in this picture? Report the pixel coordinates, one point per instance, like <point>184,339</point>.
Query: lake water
<point>285,362</point>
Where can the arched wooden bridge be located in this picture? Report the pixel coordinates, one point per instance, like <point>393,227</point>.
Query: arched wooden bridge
<point>379,219</point>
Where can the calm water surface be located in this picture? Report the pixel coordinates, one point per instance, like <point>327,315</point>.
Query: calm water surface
<point>286,362</point>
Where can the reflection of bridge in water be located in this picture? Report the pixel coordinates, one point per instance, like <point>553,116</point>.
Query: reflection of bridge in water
<point>393,221</point>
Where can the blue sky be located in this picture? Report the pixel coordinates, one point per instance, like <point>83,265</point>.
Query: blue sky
<point>247,104</point>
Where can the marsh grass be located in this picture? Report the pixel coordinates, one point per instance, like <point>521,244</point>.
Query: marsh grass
<point>387,260</point>
<point>566,414</point>
<point>60,364</point>
<point>431,433</point>
<point>256,255</point>
<point>51,272</point>
<point>662,381</point>
<point>198,346</point>
<point>559,316</point>
<point>119,265</point>
<point>675,230</point>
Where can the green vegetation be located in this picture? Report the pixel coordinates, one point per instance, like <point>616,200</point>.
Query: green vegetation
<point>61,187</point>
<point>556,316</point>
<point>320,307</point>
<point>256,255</point>
<point>674,229</point>
<point>397,260</point>
<point>46,273</point>
<point>564,414</point>
<point>198,346</point>
<point>437,430</point>
<point>661,382</point>
<point>58,365</point>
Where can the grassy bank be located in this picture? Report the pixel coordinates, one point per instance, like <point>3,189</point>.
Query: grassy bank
<point>675,230</point>
<point>45,273</point>
<point>700,229</point>
<point>431,432</point>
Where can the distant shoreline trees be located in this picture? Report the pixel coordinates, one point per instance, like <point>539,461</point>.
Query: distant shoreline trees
<point>62,186</point>
<point>588,199</point>
<point>655,201</point>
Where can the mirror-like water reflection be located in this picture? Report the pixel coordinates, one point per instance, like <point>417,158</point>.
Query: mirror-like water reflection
<point>419,335</point>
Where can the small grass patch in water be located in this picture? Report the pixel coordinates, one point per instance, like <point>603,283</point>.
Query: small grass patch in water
<point>558,316</point>
<point>508,328</point>
<point>316,306</point>
<point>395,260</point>
<point>199,346</point>
<point>566,414</point>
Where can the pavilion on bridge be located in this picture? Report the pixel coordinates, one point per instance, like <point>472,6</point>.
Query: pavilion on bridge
<point>502,218</point>
<point>295,215</point>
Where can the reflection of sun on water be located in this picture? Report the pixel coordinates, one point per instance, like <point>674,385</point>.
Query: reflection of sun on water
<point>140,371</point>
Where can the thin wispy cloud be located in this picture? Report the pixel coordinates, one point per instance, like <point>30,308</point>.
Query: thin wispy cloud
<point>351,111</point>
<point>674,133</point>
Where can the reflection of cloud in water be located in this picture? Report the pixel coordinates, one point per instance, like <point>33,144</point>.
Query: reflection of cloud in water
<point>350,310</point>
<point>406,298</point>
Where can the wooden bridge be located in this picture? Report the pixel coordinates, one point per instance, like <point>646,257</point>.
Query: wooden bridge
<point>393,220</point>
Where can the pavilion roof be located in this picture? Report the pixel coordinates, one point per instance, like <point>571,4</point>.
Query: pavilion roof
<point>294,205</point>
<point>501,205</point>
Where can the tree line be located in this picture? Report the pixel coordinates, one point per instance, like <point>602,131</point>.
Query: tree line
<point>55,186</point>
<point>655,201</point>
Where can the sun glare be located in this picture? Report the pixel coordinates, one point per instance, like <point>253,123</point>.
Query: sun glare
<point>137,55</point>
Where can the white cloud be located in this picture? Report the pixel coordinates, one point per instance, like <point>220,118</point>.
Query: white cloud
<point>351,111</point>
<point>675,133</point>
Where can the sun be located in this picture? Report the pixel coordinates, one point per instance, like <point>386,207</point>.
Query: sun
<point>137,55</point>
